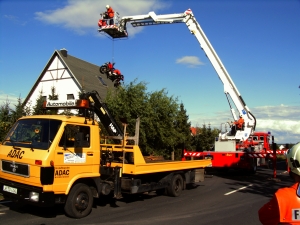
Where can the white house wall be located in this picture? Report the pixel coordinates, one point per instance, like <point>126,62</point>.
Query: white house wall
<point>58,76</point>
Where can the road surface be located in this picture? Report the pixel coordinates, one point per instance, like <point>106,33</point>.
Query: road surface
<point>231,198</point>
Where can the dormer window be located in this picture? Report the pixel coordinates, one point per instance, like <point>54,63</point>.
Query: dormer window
<point>102,81</point>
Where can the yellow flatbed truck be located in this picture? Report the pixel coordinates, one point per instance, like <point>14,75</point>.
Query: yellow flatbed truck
<point>56,159</point>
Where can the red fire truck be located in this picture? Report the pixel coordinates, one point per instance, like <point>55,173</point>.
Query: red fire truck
<point>256,151</point>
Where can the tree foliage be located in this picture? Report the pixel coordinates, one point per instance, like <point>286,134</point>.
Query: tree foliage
<point>184,127</point>
<point>53,96</point>
<point>5,119</point>
<point>164,126</point>
<point>38,107</point>
<point>205,138</point>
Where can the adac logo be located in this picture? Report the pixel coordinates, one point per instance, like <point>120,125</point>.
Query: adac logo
<point>15,153</point>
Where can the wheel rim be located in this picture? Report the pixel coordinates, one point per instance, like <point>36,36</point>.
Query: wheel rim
<point>82,202</point>
<point>178,185</point>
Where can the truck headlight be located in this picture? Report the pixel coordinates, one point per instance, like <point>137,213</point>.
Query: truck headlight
<point>34,196</point>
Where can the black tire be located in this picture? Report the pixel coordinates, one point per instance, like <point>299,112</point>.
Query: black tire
<point>253,166</point>
<point>79,202</point>
<point>103,69</point>
<point>176,186</point>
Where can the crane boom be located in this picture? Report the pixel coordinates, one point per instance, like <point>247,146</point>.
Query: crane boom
<point>230,89</point>
<point>103,113</point>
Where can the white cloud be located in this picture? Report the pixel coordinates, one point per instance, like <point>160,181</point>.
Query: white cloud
<point>190,61</point>
<point>82,16</point>
<point>282,121</point>
<point>15,20</point>
<point>9,98</point>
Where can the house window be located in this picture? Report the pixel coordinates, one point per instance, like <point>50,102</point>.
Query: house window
<point>70,97</point>
<point>44,98</point>
<point>102,81</point>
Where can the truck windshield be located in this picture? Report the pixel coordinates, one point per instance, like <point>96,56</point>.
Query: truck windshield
<point>32,133</point>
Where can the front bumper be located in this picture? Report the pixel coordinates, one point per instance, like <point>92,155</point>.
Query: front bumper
<point>21,193</point>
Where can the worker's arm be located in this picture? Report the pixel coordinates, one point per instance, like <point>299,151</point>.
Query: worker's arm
<point>269,213</point>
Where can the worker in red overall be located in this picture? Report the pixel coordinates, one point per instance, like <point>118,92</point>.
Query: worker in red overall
<point>109,14</point>
<point>239,123</point>
<point>284,207</point>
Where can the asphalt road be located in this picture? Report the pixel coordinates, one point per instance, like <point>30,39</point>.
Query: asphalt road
<point>231,198</point>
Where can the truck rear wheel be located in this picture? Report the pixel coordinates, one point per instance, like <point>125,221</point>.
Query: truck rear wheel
<point>253,166</point>
<point>79,202</point>
<point>176,185</point>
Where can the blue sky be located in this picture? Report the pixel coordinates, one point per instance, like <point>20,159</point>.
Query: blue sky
<point>257,41</point>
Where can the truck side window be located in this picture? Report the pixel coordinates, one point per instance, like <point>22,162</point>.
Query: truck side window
<point>84,131</point>
<point>75,135</point>
<point>261,138</point>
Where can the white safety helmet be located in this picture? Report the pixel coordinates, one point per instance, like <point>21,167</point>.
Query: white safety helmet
<point>107,6</point>
<point>293,158</point>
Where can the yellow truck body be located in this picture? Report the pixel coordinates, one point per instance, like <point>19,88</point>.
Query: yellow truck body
<point>52,159</point>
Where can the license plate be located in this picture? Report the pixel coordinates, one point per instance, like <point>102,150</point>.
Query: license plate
<point>10,189</point>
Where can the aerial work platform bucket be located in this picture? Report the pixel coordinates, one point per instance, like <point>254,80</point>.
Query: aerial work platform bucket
<point>113,31</point>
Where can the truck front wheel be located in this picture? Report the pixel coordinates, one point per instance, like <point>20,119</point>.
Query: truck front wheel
<point>176,185</point>
<point>79,202</point>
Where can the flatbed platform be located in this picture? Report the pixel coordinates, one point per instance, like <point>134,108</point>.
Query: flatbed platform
<point>134,162</point>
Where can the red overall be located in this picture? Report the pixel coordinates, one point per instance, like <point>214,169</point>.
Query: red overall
<point>110,12</point>
<point>284,207</point>
<point>239,123</point>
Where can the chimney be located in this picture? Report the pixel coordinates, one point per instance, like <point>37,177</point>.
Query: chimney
<point>64,52</point>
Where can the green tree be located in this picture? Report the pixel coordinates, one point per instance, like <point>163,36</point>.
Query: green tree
<point>160,133</point>
<point>38,107</point>
<point>18,112</point>
<point>205,138</point>
<point>129,102</point>
<point>161,130</point>
<point>5,119</point>
<point>184,137</point>
<point>53,96</point>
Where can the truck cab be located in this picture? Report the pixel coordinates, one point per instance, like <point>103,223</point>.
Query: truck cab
<point>258,141</point>
<point>47,153</point>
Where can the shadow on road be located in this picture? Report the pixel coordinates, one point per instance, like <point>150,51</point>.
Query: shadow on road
<point>45,212</point>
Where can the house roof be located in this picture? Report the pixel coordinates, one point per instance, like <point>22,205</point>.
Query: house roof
<point>86,74</point>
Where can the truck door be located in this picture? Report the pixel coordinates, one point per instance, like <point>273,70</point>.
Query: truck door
<point>73,155</point>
